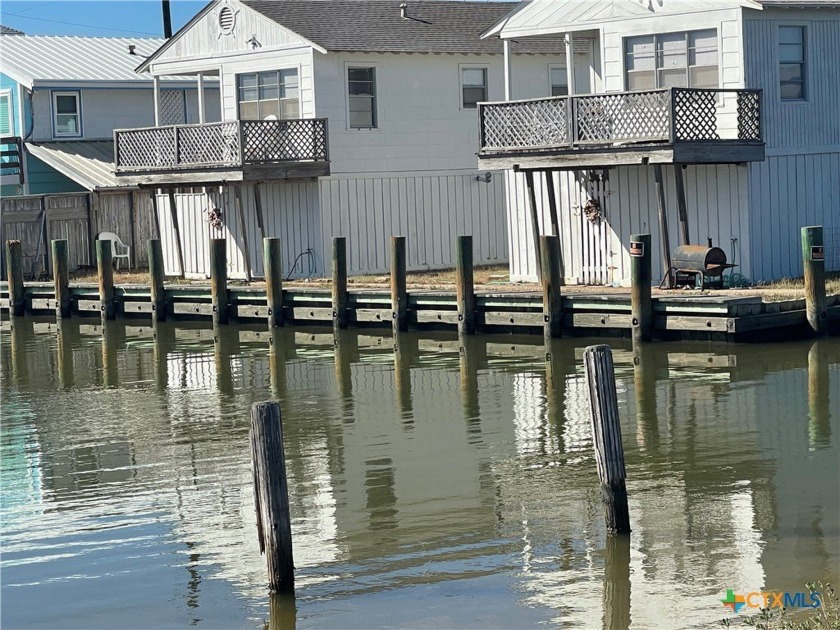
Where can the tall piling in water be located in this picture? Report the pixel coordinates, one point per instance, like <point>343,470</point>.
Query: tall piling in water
<point>14,272</point>
<point>813,260</point>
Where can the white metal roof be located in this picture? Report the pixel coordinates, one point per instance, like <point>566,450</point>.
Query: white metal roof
<point>88,163</point>
<point>542,17</point>
<point>47,59</point>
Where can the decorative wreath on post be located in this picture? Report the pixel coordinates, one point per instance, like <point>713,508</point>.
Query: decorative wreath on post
<point>592,211</point>
<point>214,217</point>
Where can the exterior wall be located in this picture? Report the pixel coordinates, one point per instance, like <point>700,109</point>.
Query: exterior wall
<point>7,83</point>
<point>106,109</point>
<point>421,125</point>
<point>430,209</point>
<point>799,183</point>
<point>45,180</point>
<point>718,207</point>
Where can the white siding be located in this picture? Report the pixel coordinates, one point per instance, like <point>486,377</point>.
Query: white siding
<point>429,209</point>
<point>717,198</point>
<point>106,109</point>
<point>204,39</point>
<point>421,125</point>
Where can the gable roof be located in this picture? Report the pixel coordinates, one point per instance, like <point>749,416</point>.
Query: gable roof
<point>536,17</point>
<point>433,26</point>
<point>32,60</point>
<point>8,30</point>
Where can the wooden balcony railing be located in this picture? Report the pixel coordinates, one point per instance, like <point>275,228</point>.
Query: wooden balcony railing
<point>232,144</point>
<point>11,158</point>
<point>670,115</point>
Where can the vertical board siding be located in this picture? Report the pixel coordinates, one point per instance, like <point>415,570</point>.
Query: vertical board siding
<point>814,122</point>
<point>596,253</point>
<point>430,210</point>
<point>786,193</point>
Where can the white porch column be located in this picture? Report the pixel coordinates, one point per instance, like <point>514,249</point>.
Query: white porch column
<point>570,62</point>
<point>201,113</point>
<point>157,100</point>
<point>506,48</point>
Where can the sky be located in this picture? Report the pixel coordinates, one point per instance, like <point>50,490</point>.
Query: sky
<point>103,18</point>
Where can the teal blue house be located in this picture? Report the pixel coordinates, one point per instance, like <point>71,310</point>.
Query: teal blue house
<point>61,98</point>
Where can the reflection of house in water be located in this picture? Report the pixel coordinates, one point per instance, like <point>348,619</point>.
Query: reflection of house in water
<point>448,461</point>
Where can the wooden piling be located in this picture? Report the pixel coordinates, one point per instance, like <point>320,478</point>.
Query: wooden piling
<point>682,205</point>
<point>813,260</point>
<point>243,230</point>
<point>105,269</point>
<point>535,223</point>
<point>339,282</point>
<point>465,285</point>
<point>606,436</point>
<point>173,214</point>
<point>218,281</point>
<point>61,278</point>
<point>156,274</point>
<point>399,291</point>
<point>273,262</point>
<point>271,495</point>
<point>14,272</point>
<point>663,224</point>
<point>641,305</point>
<point>551,283</point>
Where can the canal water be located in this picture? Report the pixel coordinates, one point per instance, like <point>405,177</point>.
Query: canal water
<point>431,484</point>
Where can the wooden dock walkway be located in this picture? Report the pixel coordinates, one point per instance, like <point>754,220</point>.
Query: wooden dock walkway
<point>675,317</point>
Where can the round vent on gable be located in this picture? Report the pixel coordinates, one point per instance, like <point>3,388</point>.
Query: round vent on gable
<point>227,20</point>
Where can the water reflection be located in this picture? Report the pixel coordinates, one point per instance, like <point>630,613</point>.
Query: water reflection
<point>424,471</point>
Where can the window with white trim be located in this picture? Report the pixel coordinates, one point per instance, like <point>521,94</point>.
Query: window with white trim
<point>361,91</point>
<point>6,122</point>
<point>688,59</point>
<point>273,95</point>
<point>792,63</point>
<point>558,77</point>
<point>67,117</point>
<point>473,87</point>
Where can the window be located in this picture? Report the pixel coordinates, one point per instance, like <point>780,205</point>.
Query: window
<point>6,125</point>
<point>273,95</point>
<point>473,87</point>
<point>672,60</point>
<point>67,119</point>
<point>361,88</point>
<point>558,80</point>
<point>792,63</point>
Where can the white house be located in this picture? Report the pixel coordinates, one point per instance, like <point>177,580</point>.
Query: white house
<point>61,99</point>
<point>340,118</point>
<point>735,101</point>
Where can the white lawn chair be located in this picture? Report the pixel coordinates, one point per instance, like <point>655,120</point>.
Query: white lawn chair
<point>118,248</point>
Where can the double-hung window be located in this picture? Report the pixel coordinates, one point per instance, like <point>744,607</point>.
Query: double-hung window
<point>361,90</point>
<point>792,63</point>
<point>273,95</point>
<point>67,117</point>
<point>6,124</point>
<point>473,87</point>
<point>688,59</point>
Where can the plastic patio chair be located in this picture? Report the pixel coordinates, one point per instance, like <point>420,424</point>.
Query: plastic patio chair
<point>118,248</point>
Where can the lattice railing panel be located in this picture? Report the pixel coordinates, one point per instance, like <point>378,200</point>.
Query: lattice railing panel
<point>695,115</point>
<point>173,107</point>
<point>146,148</point>
<point>216,144</point>
<point>622,117</point>
<point>749,115</point>
<point>284,140</point>
<point>542,123</point>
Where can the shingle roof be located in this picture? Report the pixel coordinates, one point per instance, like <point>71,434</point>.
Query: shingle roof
<point>30,59</point>
<point>8,30</point>
<point>376,25</point>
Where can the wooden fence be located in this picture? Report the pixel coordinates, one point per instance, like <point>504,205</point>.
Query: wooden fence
<point>78,218</point>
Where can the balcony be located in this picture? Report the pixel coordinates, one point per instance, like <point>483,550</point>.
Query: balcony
<point>11,171</point>
<point>668,126</point>
<point>239,150</point>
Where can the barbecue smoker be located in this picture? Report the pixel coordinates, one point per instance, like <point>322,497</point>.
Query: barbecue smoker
<point>692,261</point>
